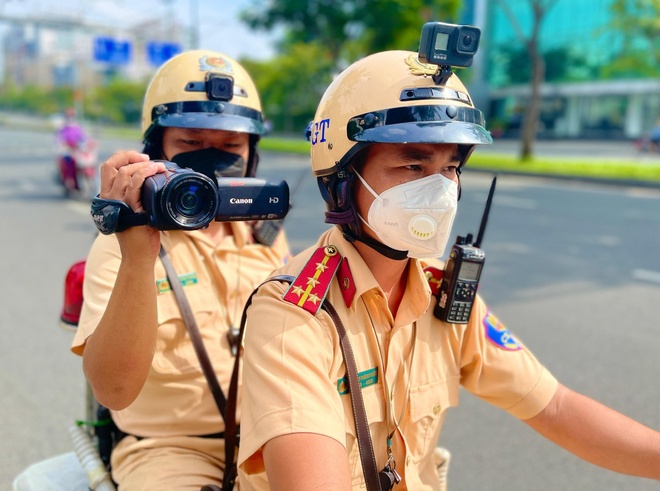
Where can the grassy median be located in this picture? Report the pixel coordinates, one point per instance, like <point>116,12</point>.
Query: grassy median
<point>620,170</point>
<point>585,168</point>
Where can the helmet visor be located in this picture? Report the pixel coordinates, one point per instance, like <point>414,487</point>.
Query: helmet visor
<point>420,124</point>
<point>212,115</point>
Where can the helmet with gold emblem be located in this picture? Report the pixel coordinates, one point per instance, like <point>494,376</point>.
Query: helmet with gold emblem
<point>206,90</point>
<point>387,97</point>
<point>391,97</point>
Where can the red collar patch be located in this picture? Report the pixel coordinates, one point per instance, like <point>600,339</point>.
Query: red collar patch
<point>346,282</point>
<point>311,286</point>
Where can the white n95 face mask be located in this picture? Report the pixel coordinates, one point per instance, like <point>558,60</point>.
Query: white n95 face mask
<point>416,216</point>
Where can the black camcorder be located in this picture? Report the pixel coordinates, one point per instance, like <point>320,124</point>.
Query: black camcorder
<point>182,199</point>
<point>448,44</point>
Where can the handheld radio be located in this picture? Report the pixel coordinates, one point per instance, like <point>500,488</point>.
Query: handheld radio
<point>462,272</point>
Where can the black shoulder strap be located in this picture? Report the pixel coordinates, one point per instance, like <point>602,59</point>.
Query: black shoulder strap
<point>195,336</point>
<point>367,457</point>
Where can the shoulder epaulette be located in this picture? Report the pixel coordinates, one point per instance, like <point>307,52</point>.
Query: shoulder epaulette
<point>434,277</point>
<point>311,286</point>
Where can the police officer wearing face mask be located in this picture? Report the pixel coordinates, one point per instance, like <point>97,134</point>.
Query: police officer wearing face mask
<point>202,111</point>
<point>388,145</point>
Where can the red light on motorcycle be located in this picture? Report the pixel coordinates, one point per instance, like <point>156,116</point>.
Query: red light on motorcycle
<point>73,295</point>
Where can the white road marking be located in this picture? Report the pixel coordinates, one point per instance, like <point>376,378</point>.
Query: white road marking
<point>646,275</point>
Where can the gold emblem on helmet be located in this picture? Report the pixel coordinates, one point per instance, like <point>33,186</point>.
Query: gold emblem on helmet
<point>215,64</point>
<point>419,68</point>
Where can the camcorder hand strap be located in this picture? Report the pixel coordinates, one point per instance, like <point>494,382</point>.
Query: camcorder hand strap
<point>365,445</point>
<point>193,331</point>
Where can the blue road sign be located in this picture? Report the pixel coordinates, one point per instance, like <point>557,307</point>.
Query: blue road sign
<point>112,51</point>
<point>158,53</point>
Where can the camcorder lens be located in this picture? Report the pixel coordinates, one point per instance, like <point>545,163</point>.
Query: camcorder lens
<point>190,200</point>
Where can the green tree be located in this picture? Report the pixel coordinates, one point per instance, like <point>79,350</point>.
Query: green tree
<point>561,65</point>
<point>291,84</point>
<point>35,99</point>
<point>539,9</point>
<point>350,29</point>
<point>637,24</point>
<point>120,101</point>
<point>321,37</point>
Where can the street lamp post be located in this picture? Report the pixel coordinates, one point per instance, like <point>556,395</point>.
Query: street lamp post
<point>194,23</point>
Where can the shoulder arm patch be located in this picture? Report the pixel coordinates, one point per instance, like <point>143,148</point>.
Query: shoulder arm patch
<point>311,286</point>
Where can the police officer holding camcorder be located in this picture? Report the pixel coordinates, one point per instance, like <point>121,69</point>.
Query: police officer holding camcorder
<point>185,195</point>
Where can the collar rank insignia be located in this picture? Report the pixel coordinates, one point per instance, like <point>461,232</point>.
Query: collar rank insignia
<point>346,282</point>
<point>434,277</point>
<point>311,286</point>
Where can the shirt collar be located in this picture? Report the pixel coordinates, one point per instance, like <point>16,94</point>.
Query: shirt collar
<point>417,295</point>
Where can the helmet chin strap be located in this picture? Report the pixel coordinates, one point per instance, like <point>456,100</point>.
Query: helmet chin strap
<point>382,248</point>
<point>345,218</point>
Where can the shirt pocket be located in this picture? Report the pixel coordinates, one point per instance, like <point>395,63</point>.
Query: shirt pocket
<point>175,353</point>
<point>428,406</point>
<point>374,406</point>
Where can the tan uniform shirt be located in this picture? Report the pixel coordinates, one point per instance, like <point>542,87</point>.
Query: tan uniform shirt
<point>293,372</point>
<point>217,280</point>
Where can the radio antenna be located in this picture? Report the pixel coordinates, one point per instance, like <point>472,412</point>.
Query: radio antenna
<point>484,218</point>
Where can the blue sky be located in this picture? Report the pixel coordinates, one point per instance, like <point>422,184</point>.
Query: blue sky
<point>219,27</point>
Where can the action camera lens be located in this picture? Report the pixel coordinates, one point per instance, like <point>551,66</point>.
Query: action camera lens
<point>219,88</point>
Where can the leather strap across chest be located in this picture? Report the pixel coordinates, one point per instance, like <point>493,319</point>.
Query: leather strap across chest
<point>365,445</point>
<point>195,336</point>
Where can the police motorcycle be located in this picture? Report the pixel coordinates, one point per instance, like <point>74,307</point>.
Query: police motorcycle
<point>87,466</point>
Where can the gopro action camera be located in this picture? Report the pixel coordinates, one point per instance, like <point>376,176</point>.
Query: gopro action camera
<point>448,44</point>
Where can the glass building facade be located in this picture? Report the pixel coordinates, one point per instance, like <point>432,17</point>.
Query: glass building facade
<point>602,72</point>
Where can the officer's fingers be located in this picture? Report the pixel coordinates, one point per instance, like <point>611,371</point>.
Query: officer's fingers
<point>134,186</point>
<point>110,168</point>
<point>123,182</point>
<point>121,159</point>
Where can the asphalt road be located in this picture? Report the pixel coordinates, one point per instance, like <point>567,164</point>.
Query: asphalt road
<point>572,269</point>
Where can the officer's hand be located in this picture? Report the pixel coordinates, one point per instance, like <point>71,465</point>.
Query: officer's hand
<point>123,174</point>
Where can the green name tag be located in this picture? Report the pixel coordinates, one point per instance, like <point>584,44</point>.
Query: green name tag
<point>186,279</point>
<point>366,378</point>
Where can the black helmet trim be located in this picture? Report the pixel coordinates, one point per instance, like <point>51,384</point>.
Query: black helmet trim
<point>420,124</point>
<point>445,93</point>
<point>208,115</point>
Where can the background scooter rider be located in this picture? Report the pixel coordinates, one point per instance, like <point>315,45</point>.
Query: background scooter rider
<point>388,144</point>
<point>137,354</point>
<point>71,137</point>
